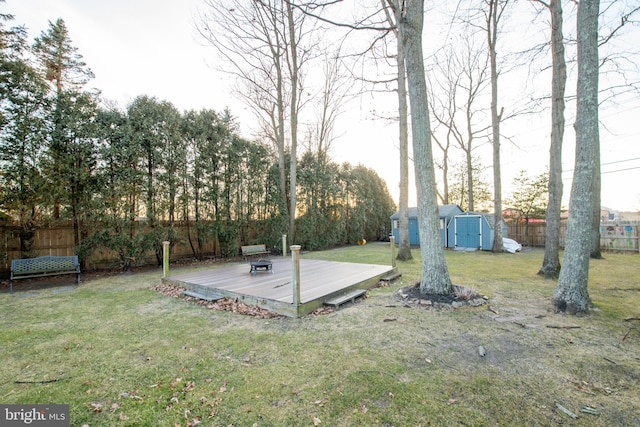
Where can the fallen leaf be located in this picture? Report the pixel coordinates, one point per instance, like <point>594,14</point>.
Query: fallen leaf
<point>123,417</point>
<point>364,409</point>
<point>452,401</point>
<point>584,389</point>
<point>96,407</point>
<point>223,388</point>
<point>316,421</point>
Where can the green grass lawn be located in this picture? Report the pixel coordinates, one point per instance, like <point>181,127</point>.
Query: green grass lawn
<point>121,354</point>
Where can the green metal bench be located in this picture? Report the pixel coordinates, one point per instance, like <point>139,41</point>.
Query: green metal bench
<point>250,250</point>
<point>43,266</point>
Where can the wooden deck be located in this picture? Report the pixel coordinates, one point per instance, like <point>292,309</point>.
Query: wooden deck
<point>320,281</point>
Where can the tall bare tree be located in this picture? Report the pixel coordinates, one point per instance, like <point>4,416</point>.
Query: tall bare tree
<point>331,98</point>
<point>551,263</point>
<point>462,78</point>
<point>571,293</point>
<point>493,14</point>
<point>383,27</point>
<point>267,45</point>
<point>435,274</point>
<point>404,244</point>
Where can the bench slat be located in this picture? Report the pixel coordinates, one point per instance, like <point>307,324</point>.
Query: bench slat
<point>44,266</point>
<point>254,250</point>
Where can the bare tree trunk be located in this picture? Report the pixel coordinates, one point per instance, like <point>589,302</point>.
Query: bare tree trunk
<point>435,275</point>
<point>572,294</point>
<point>404,245</point>
<point>294,108</point>
<point>492,36</point>
<point>551,264</point>
<point>469,165</point>
<point>264,45</point>
<point>596,253</point>
<point>463,75</point>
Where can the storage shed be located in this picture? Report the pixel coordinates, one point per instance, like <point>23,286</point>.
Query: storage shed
<point>446,213</point>
<point>472,231</point>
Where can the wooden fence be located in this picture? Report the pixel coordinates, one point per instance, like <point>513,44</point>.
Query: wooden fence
<point>533,234</point>
<point>619,237</point>
<point>58,241</point>
<point>614,236</point>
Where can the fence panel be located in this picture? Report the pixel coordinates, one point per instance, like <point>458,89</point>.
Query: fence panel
<point>58,241</point>
<point>613,236</point>
<point>619,237</point>
<point>533,234</point>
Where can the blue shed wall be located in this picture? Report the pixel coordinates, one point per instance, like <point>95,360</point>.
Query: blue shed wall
<point>447,213</point>
<point>486,230</point>
<point>487,235</point>
<point>414,233</point>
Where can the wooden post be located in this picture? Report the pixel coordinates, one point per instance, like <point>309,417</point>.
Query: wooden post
<point>295,259</point>
<point>284,245</point>
<point>165,259</point>
<point>392,243</point>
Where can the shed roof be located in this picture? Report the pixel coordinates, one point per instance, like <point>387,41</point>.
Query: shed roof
<point>489,217</point>
<point>445,211</point>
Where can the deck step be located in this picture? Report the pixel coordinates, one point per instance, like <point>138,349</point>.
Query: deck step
<point>348,297</point>
<point>391,277</point>
<point>201,296</point>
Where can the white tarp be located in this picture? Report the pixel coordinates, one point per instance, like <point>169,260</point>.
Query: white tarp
<point>511,245</point>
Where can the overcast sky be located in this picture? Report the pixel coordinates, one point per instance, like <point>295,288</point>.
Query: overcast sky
<point>134,47</point>
<point>150,47</point>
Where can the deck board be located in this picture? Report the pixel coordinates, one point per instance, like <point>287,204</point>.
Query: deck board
<point>319,281</point>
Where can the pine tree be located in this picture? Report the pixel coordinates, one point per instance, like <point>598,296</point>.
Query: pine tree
<point>22,133</point>
<point>71,154</point>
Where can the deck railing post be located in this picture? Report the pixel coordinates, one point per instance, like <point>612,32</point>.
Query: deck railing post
<point>284,245</point>
<point>165,259</point>
<point>392,243</point>
<point>295,259</point>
